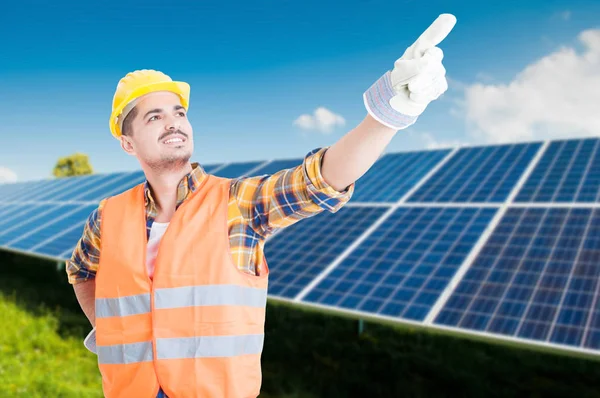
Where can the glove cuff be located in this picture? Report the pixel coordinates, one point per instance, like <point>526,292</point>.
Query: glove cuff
<point>377,101</point>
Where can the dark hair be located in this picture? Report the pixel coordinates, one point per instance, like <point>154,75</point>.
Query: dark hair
<point>127,130</point>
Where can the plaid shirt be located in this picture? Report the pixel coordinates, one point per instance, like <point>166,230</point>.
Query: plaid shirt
<point>258,206</point>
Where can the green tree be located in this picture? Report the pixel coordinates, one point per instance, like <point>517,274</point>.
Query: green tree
<point>74,165</point>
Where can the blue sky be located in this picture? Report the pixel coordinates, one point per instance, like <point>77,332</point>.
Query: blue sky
<point>255,67</point>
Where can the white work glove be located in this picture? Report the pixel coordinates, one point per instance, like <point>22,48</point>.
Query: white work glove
<point>398,97</point>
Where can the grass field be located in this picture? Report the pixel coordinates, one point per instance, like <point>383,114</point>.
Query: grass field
<point>306,355</point>
<point>35,361</point>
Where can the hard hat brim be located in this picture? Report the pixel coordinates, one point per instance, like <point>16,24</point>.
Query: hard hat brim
<point>182,89</point>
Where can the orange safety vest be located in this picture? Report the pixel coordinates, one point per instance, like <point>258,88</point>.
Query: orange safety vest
<point>197,328</point>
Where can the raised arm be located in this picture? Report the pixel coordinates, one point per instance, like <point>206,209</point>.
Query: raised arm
<point>353,155</point>
<point>393,102</point>
<point>272,202</point>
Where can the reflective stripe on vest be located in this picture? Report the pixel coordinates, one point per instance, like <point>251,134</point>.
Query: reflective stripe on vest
<point>179,348</point>
<point>184,347</point>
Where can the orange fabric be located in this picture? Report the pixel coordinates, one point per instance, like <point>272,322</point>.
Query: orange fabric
<point>138,327</point>
<point>194,252</point>
<point>216,321</point>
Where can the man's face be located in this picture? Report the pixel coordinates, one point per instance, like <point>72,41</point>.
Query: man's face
<point>162,135</point>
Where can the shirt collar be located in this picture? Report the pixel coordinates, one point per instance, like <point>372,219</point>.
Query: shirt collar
<point>188,185</point>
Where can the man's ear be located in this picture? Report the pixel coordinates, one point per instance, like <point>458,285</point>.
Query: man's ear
<point>127,145</point>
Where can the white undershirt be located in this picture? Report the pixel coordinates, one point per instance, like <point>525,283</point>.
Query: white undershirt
<point>156,233</point>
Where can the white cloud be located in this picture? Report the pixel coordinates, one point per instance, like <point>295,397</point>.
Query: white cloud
<point>555,97</point>
<point>454,85</point>
<point>7,175</point>
<point>425,140</point>
<point>322,120</point>
<point>432,142</point>
<point>484,77</point>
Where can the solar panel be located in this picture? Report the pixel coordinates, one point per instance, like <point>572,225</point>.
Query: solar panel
<point>22,191</point>
<point>401,268</point>
<point>430,238</point>
<point>85,185</point>
<point>57,186</point>
<point>119,183</point>
<point>19,214</point>
<point>479,174</point>
<point>569,171</point>
<point>5,188</point>
<point>236,169</point>
<point>30,220</point>
<point>536,278</point>
<point>277,165</point>
<point>8,189</point>
<point>48,239</point>
<point>209,168</point>
<point>394,174</point>
<point>6,210</point>
<point>299,253</point>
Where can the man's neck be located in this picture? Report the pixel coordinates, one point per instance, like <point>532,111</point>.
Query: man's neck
<point>163,186</point>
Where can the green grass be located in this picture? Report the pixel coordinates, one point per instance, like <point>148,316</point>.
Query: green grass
<point>35,361</point>
<point>307,354</point>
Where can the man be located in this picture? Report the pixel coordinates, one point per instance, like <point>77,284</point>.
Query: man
<point>188,320</point>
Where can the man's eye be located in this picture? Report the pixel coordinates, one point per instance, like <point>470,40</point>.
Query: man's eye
<point>182,114</point>
<point>152,118</point>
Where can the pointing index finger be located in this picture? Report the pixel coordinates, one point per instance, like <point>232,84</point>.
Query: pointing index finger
<point>436,32</point>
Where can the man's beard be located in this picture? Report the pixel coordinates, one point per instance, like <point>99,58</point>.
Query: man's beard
<point>170,162</point>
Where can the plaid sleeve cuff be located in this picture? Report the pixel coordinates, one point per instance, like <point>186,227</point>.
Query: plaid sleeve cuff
<point>83,264</point>
<point>377,101</point>
<point>323,194</point>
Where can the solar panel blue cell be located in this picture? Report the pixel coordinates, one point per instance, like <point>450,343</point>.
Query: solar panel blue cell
<point>63,246</point>
<point>299,253</point>
<point>593,338</point>
<point>22,191</point>
<point>33,220</point>
<point>49,239</point>
<point>536,278</point>
<point>7,189</point>
<point>6,210</point>
<point>478,174</point>
<point>394,174</point>
<point>237,169</point>
<point>569,171</point>
<point>55,187</point>
<point>277,165</point>
<point>116,184</point>
<point>131,180</point>
<point>209,168</point>
<point>404,265</point>
<point>84,185</point>
<point>20,214</point>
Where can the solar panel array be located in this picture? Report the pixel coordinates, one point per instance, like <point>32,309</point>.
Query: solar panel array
<point>401,268</point>
<point>500,241</point>
<point>537,278</point>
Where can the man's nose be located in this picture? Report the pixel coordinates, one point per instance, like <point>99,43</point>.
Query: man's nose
<point>172,123</point>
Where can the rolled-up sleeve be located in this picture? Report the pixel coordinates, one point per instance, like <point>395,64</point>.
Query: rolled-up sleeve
<point>83,263</point>
<point>319,190</point>
<point>272,202</point>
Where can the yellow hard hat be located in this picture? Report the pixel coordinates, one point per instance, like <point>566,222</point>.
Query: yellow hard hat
<point>142,82</point>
